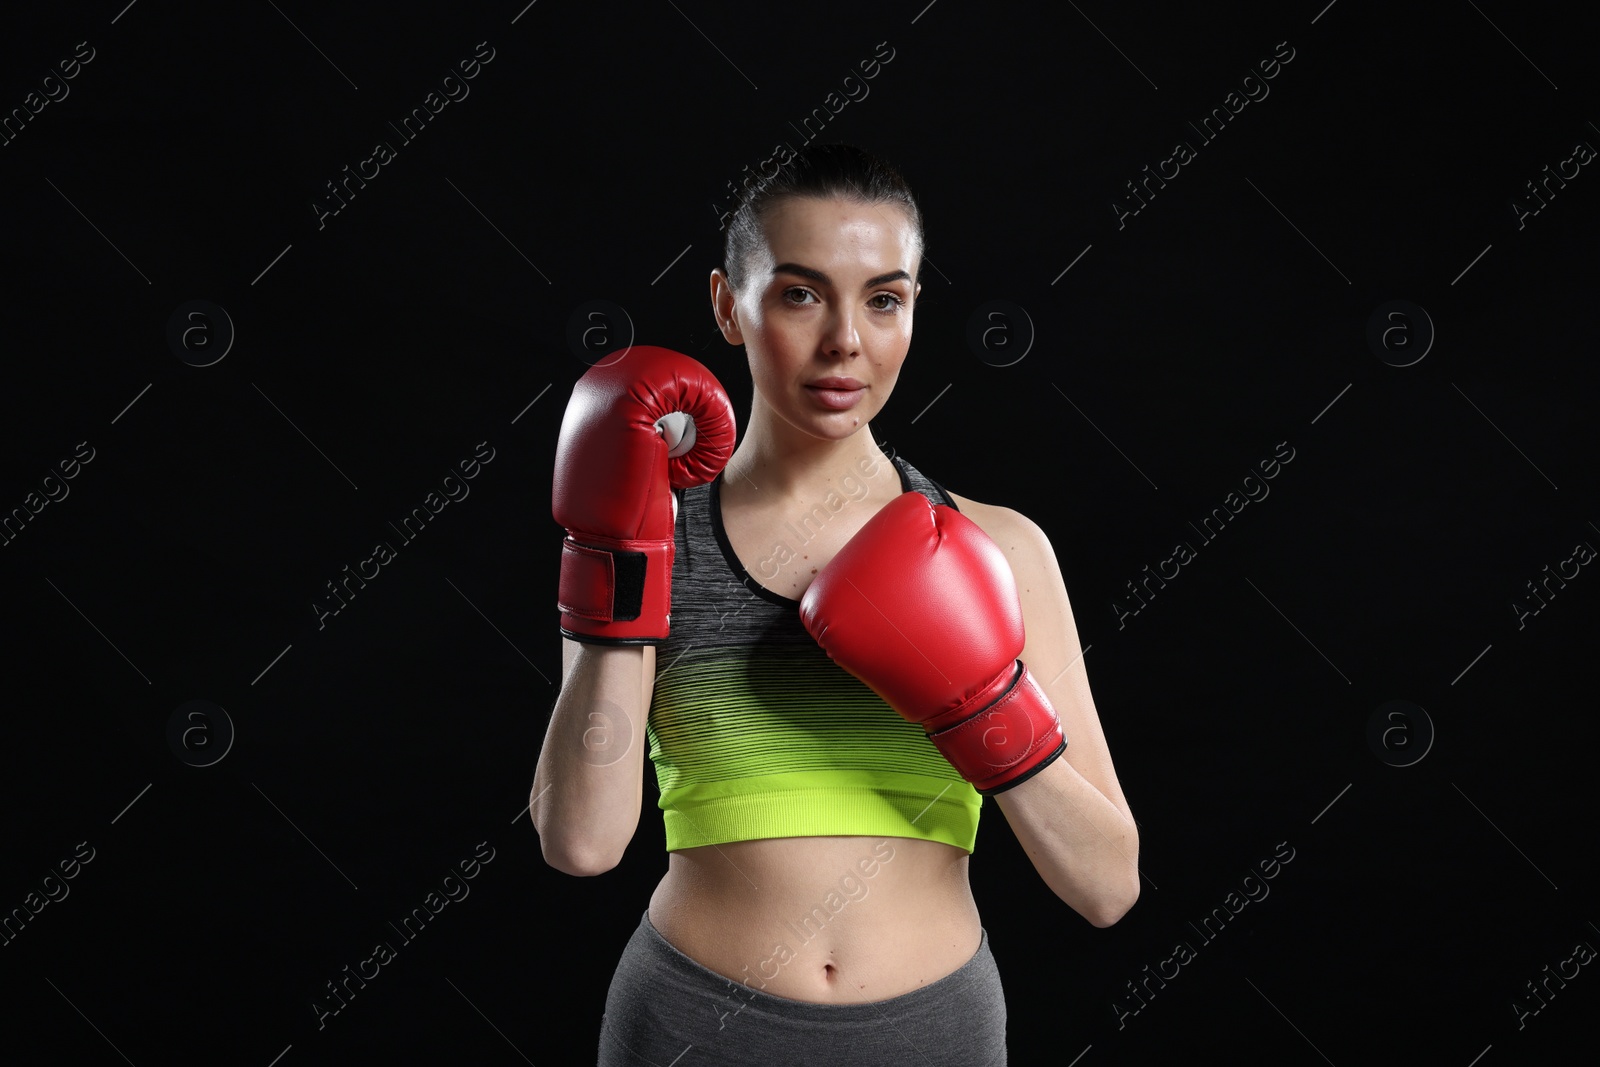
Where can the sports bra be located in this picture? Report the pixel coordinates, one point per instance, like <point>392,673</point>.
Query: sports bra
<point>756,733</point>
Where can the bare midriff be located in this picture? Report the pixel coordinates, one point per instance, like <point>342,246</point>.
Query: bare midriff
<point>828,920</point>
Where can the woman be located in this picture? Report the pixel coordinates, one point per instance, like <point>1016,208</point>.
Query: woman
<point>816,907</point>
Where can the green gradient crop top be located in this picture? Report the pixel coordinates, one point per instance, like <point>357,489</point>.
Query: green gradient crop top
<point>756,733</point>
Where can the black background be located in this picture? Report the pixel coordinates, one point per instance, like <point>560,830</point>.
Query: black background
<point>590,162</point>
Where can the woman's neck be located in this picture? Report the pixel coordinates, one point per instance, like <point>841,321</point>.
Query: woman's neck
<point>774,464</point>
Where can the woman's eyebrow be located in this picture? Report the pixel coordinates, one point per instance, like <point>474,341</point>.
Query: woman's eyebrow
<point>818,276</point>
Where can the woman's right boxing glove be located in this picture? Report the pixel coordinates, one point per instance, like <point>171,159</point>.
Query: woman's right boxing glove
<point>637,427</point>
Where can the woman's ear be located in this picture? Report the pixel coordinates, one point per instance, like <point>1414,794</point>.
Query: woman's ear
<point>724,306</point>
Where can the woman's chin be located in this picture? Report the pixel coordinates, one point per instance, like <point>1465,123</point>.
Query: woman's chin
<point>838,427</point>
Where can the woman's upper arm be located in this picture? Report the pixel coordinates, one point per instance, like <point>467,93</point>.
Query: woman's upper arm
<point>1051,647</point>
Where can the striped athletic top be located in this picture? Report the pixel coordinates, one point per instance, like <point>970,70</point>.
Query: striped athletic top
<point>756,733</point>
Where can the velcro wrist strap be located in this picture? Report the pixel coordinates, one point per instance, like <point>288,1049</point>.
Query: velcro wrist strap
<point>1008,742</point>
<point>620,590</point>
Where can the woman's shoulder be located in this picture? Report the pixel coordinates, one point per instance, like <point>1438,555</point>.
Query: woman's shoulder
<point>1019,535</point>
<point>994,518</point>
<point>1025,544</point>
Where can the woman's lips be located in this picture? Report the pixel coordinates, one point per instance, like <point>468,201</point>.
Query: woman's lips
<point>837,399</point>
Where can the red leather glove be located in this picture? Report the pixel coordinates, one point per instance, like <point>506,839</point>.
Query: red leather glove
<point>921,606</point>
<point>637,427</point>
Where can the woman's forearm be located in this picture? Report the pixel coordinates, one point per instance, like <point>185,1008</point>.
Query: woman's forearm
<point>1082,845</point>
<point>588,787</point>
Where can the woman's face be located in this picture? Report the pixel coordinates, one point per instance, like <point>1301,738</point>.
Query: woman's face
<point>825,315</point>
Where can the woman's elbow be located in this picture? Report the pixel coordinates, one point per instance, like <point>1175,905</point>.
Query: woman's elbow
<point>1111,908</point>
<point>570,851</point>
<point>578,859</point>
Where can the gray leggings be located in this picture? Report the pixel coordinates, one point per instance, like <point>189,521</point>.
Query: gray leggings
<point>666,1010</point>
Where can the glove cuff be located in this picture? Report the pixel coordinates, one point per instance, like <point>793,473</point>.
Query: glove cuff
<point>1007,742</point>
<point>615,592</point>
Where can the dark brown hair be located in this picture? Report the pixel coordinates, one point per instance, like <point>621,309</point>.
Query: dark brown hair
<point>820,171</point>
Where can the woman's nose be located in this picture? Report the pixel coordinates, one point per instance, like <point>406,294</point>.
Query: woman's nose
<point>843,332</point>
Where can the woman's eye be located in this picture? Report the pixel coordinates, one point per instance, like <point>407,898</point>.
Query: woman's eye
<point>800,297</point>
